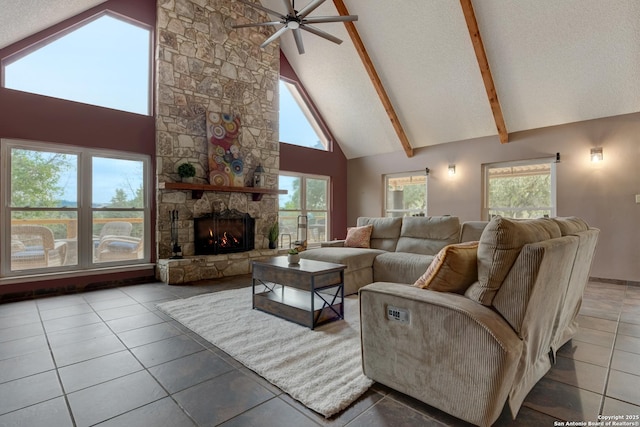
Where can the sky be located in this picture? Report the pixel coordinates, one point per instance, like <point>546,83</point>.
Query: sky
<point>80,66</point>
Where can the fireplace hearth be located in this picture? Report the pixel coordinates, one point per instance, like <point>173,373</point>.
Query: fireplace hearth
<point>225,232</point>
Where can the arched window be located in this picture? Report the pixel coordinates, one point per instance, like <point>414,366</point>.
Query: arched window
<point>103,61</point>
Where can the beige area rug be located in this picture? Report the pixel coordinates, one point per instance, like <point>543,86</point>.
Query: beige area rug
<point>320,368</point>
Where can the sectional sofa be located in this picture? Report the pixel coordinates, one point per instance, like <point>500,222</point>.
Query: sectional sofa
<point>471,351</point>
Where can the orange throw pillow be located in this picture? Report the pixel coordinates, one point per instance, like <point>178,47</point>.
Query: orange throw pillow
<point>454,269</point>
<point>358,237</point>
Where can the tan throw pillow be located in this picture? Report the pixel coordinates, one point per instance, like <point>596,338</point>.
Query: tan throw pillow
<point>358,237</point>
<point>453,269</point>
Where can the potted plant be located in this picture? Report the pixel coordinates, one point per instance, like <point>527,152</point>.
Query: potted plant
<point>293,256</point>
<point>274,231</point>
<point>186,171</point>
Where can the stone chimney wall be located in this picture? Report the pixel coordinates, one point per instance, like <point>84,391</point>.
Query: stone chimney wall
<point>203,65</point>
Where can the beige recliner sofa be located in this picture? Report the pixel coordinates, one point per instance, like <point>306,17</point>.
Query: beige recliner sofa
<point>400,249</point>
<point>469,354</point>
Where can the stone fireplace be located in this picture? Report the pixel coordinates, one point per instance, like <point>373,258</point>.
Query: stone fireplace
<point>224,232</point>
<point>205,67</point>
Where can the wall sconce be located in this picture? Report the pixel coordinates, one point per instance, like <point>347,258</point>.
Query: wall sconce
<point>596,155</point>
<point>452,170</point>
<point>426,171</point>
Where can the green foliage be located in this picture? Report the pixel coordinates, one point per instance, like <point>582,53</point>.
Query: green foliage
<point>316,197</point>
<point>186,170</point>
<point>35,176</point>
<point>274,231</point>
<point>520,196</point>
<point>293,251</point>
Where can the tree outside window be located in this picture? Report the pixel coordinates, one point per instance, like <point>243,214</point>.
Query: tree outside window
<point>520,189</point>
<point>304,210</point>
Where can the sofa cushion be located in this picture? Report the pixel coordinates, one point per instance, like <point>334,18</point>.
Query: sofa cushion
<point>500,244</point>
<point>453,269</point>
<point>353,258</point>
<point>385,232</point>
<point>427,235</point>
<point>358,237</point>
<point>400,267</point>
<point>571,225</point>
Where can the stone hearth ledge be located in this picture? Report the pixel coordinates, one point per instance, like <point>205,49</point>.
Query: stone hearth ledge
<point>202,267</point>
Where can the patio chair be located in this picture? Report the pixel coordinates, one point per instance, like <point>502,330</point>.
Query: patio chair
<point>119,248</point>
<point>34,246</point>
<point>116,228</point>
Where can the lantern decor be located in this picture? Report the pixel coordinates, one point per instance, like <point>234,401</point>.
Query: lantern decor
<point>258,177</point>
<point>176,250</point>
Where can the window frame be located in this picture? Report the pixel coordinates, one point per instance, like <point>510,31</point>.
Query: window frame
<point>21,53</point>
<point>311,113</point>
<point>552,161</point>
<point>386,211</point>
<point>303,210</point>
<point>84,209</point>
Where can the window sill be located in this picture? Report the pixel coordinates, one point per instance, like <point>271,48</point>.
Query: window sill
<point>76,273</point>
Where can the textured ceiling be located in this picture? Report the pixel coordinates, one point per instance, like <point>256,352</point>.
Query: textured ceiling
<point>22,18</point>
<point>553,62</point>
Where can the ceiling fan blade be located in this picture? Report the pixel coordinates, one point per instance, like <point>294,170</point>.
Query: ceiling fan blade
<point>320,33</point>
<point>274,36</point>
<point>297,35</point>
<point>309,8</point>
<point>289,6</point>
<point>322,19</point>
<point>262,8</point>
<point>260,24</point>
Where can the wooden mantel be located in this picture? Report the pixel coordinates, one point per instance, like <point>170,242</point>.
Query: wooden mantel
<point>198,189</point>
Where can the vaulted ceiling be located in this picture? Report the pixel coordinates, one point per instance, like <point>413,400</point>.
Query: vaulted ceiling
<point>551,62</point>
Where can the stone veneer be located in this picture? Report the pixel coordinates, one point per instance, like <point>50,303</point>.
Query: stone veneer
<point>203,65</point>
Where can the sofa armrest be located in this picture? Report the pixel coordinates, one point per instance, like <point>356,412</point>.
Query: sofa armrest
<point>333,244</point>
<point>452,353</point>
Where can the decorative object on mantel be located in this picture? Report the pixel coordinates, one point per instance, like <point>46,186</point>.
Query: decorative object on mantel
<point>187,171</point>
<point>274,231</point>
<point>293,256</point>
<point>176,250</point>
<point>320,368</point>
<point>226,165</point>
<point>258,177</point>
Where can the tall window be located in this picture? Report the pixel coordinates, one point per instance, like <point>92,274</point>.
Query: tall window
<point>406,194</point>
<point>69,208</point>
<point>524,189</point>
<point>298,123</point>
<point>304,210</point>
<point>105,61</point>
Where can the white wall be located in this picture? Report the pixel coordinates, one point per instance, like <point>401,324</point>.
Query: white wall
<point>604,194</point>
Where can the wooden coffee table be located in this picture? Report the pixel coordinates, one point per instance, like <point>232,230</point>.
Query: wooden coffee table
<point>310,293</point>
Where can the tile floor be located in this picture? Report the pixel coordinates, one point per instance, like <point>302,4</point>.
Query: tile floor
<point>109,358</point>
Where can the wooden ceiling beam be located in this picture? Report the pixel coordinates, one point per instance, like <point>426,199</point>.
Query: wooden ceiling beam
<point>481,56</point>
<point>375,79</point>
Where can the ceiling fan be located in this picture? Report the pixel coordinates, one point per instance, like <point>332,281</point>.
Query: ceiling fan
<point>297,20</point>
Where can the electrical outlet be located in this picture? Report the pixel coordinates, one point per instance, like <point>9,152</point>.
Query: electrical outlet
<point>397,314</point>
<point>637,198</point>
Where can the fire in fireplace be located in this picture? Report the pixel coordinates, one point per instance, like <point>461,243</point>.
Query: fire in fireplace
<point>224,232</point>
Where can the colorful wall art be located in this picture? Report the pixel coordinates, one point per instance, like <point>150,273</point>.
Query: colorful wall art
<point>226,164</point>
